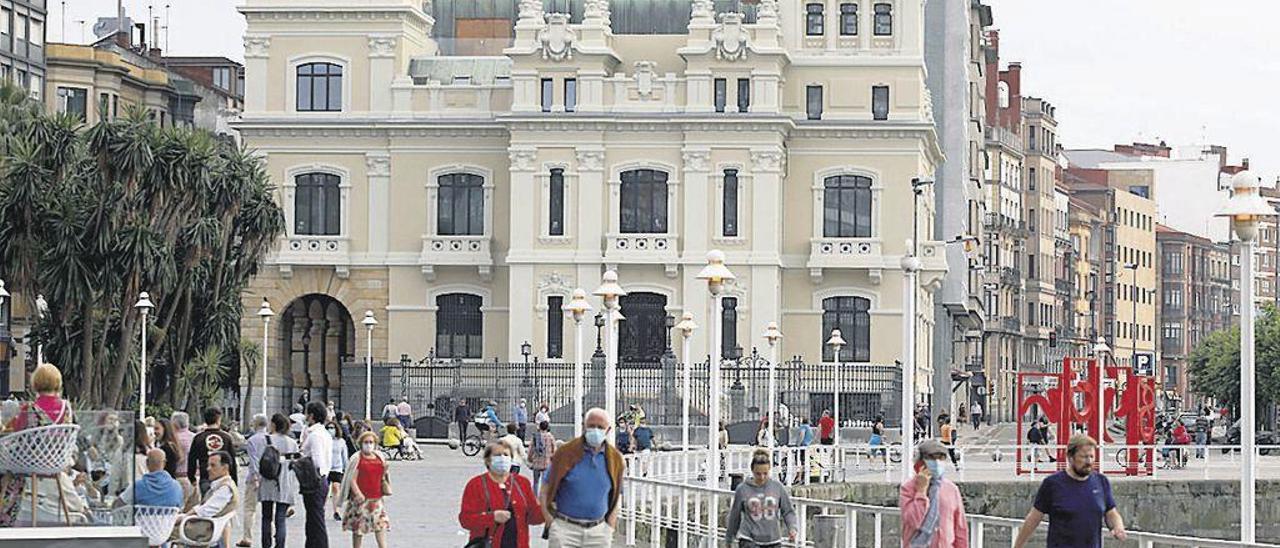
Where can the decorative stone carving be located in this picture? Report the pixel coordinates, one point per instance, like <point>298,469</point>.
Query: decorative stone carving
<point>767,9</point>
<point>256,46</point>
<point>596,10</point>
<point>382,46</point>
<point>766,160</point>
<point>590,160</point>
<point>557,38</point>
<point>378,165</point>
<point>703,9</point>
<point>730,38</point>
<point>531,9</point>
<point>696,160</point>
<point>523,159</point>
<point>644,78</point>
<point>554,284</point>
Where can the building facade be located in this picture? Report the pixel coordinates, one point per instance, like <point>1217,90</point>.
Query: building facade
<point>955,47</point>
<point>461,199</point>
<point>1195,280</point>
<point>1044,242</point>
<point>22,44</point>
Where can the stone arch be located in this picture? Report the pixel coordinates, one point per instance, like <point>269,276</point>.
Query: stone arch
<point>316,333</point>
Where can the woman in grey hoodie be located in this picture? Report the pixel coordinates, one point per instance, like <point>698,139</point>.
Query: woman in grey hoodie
<point>761,507</point>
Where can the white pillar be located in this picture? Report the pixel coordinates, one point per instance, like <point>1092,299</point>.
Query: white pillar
<point>1248,471</point>
<point>910,283</point>
<point>579,370</point>
<point>696,234</point>
<point>378,169</point>
<point>382,61</point>
<point>256,74</point>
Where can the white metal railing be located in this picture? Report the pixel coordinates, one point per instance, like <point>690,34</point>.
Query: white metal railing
<point>692,513</point>
<point>1208,462</point>
<point>791,465</point>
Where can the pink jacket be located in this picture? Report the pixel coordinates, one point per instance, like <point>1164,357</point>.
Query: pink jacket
<point>953,528</point>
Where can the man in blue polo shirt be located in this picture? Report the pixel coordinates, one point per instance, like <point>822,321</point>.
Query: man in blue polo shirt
<point>1077,502</point>
<point>580,498</point>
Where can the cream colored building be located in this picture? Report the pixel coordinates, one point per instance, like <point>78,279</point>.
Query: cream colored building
<point>462,199</point>
<point>1040,145</point>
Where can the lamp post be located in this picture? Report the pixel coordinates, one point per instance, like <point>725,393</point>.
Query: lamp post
<point>578,307</point>
<point>42,307</point>
<point>772,335</point>
<point>368,322</point>
<point>715,274</point>
<point>686,327</point>
<point>610,291</point>
<point>837,342</point>
<point>265,313</point>
<point>525,350</point>
<point>144,307</point>
<point>1100,350</point>
<point>1245,209</point>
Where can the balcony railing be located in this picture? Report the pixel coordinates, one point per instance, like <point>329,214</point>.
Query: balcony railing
<point>845,253</point>
<point>1002,136</point>
<point>456,251</point>
<point>304,250</point>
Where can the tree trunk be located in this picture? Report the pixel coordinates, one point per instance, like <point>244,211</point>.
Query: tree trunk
<point>88,373</point>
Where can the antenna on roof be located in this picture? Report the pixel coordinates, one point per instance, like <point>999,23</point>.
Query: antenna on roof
<point>166,26</point>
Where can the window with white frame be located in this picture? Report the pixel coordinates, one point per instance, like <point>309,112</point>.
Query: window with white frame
<point>317,204</point>
<point>319,87</point>
<point>880,102</point>
<point>643,204</point>
<point>555,213</point>
<point>849,19</point>
<point>555,326</point>
<point>814,20</point>
<point>460,205</point>
<point>847,207</point>
<point>884,19</point>
<point>222,78</point>
<point>729,203</point>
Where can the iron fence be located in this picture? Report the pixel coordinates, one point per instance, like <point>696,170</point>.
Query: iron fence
<point>434,388</point>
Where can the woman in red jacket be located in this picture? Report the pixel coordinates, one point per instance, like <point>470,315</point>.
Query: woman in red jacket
<point>499,504</point>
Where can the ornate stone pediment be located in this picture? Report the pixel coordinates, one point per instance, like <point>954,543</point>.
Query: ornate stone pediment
<point>523,159</point>
<point>730,38</point>
<point>557,38</point>
<point>256,46</point>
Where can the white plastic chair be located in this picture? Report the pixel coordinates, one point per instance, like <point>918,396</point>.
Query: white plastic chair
<point>156,522</point>
<point>41,452</point>
<point>219,529</point>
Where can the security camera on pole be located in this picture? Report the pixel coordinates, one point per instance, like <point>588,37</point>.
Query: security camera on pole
<point>578,307</point>
<point>1245,209</point>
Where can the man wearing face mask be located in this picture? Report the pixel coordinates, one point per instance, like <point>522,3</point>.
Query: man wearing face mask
<point>584,484</point>
<point>1077,501</point>
<point>932,509</point>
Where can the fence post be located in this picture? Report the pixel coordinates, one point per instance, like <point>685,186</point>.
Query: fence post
<point>670,406</point>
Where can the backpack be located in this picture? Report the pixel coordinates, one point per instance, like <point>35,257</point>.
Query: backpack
<point>269,463</point>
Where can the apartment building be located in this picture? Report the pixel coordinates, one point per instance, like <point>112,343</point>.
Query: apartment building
<point>22,44</point>
<point>1042,245</point>
<point>462,198</point>
<point>1195,300</point>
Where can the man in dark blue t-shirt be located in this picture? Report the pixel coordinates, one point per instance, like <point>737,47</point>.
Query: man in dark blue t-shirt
<point>1077,502</point>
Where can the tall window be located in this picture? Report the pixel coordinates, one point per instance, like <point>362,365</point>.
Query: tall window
<point>721,93</point>
<point>847,207</point>
<point>744,94</point>
<point>555,327</point>
<point>555,216</point>
<point>317,205</point>
<point>320,87</point>
<point>644,202</point>
<point>880,102</point>
<point>730,225</point>
<point>548,94</point>
<point>570,94</point>
<point>459,326</point>
<point>460,205</point>
<point>1031,178</point>
<point>813,102</point>
<point>222,78</point>
<point>852,316</point>
<point>884,20</point>
<point>75,101</point>
<point>813,20</point>
<point>728,326</point>
<point>104,108</point>
<point>848,19</point>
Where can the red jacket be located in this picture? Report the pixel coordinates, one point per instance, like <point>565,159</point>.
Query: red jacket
<point>826,428</point>
<point>477,518</point>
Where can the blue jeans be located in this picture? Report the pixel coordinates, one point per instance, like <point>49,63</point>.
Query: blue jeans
<point>274,515</point>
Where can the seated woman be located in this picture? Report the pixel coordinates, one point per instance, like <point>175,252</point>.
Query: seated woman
<point>392,435</point>
<point>49,408</point>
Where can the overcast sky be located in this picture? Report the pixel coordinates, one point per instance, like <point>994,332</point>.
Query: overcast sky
<point>1185,71</point>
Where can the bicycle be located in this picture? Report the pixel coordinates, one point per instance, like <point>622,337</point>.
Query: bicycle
<point>474,443</point>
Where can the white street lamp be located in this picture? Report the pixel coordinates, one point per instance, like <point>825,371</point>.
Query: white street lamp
<point>144,307</point>
<point>715,274</point>
<point>1100,351</point>
<point>686,327</point>
<point>578,307</point>
<point>1245,209</point>
<point>265,313</point>
<point>837,342</point>
<point>910,278</point>
<point>610,291</point>
<point>772,335</point>
<point>42,307</point>
<point>369,322</point>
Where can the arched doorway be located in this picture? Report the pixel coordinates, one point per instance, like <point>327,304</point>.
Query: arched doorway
<point>642,335</point>
<point>318,336</point>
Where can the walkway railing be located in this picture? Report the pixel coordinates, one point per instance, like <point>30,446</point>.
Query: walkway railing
<point>792,465</point>
<point>693,512</point>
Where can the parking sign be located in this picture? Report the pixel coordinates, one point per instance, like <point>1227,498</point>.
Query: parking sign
<point>1144,363</point>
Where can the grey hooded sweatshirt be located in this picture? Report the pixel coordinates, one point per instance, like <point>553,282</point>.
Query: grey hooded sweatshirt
<point>758,513</point>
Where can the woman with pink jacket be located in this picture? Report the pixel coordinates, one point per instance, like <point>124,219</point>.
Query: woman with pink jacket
<point>932,510</point>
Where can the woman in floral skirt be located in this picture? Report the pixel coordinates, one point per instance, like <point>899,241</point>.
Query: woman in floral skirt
<point>363,486</point>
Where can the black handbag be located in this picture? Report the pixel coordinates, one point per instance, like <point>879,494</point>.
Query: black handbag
<point>483,541</point>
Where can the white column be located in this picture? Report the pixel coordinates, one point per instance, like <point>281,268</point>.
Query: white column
<point>910,282</point>
<point>697,212</point>
<point>1248,471</point>
<point>256,76</point>
<point>382,60</point>
<point>765,221</point>
<point>378,169</point>
<point>525,203</point>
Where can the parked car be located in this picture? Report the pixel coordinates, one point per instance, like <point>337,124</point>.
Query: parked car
<point>1261,437</point>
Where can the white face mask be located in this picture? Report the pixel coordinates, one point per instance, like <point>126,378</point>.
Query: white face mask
<point>367,447</point>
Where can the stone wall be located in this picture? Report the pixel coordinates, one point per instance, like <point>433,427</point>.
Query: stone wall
<point>1201,508</point>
